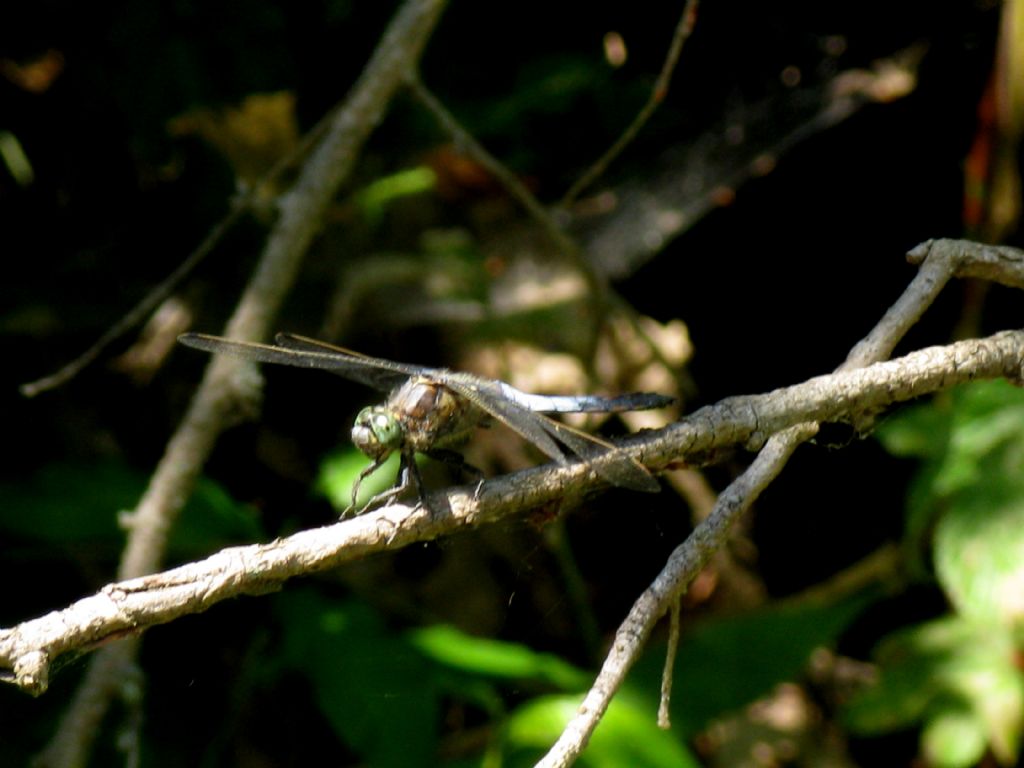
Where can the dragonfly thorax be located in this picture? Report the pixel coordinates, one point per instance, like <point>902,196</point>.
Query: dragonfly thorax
<point>376,432</point>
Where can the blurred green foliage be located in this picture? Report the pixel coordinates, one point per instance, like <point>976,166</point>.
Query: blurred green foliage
<point>375,684</point>
<point>728,662</point>
<point>339,471</point>
<point>959,676</point>
<point>75,506</point>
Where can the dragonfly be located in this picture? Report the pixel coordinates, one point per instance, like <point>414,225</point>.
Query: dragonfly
<point>432,410</point>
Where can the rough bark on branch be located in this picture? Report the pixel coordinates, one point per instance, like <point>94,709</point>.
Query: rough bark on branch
<point>130,606</point>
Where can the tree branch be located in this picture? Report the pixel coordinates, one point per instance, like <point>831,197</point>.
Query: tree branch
<point>131,605</point>
<point>683,565</point>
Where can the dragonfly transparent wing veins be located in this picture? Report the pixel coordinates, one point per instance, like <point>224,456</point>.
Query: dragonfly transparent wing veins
<point>430,409</point>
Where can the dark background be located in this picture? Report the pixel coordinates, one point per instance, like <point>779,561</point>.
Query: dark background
<point>774,288</point>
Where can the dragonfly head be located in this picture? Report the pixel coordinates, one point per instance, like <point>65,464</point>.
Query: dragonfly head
<point>376,432</point>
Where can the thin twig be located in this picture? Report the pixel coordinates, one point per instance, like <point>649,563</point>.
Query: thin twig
<point>668,673</point>
<point>468,143</point>
<point>682,567</point>
<point>28,649</point>
<point>228,380</point>
<point>240,206</point>
<point>684,28</point>
<point>137,313</point>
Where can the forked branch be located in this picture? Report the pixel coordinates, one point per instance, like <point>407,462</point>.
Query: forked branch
<point>940,261</point>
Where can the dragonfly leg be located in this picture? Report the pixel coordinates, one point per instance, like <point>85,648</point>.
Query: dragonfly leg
<point>354,506</point>
<point>409,474</point>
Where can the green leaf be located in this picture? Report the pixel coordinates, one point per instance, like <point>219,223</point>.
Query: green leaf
<point>626,736</point>
<point>979,550</point>
<point>940,674</point>
<point>953,739</point>
<point>71,502</point>
<point>377,691</point>
<point>970,492</point>
<point>339,472</point>
<point>78,504</point>
<point>912,666</point>
<point>918,431</point>
<point>494,658</point>
<point>377,196</point>
<point>960,431</point>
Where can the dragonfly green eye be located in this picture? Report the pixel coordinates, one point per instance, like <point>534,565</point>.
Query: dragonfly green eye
<point>376,432</point>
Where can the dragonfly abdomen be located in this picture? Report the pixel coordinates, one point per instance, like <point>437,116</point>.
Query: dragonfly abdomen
<point>634,401</point>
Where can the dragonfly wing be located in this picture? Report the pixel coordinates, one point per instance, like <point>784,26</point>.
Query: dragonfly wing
<point>488,396</point>
<point>295,341</point>
<point>607,459</point>
<point>371,371</point>
<point>543,432</point>
<point>634,401</point>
